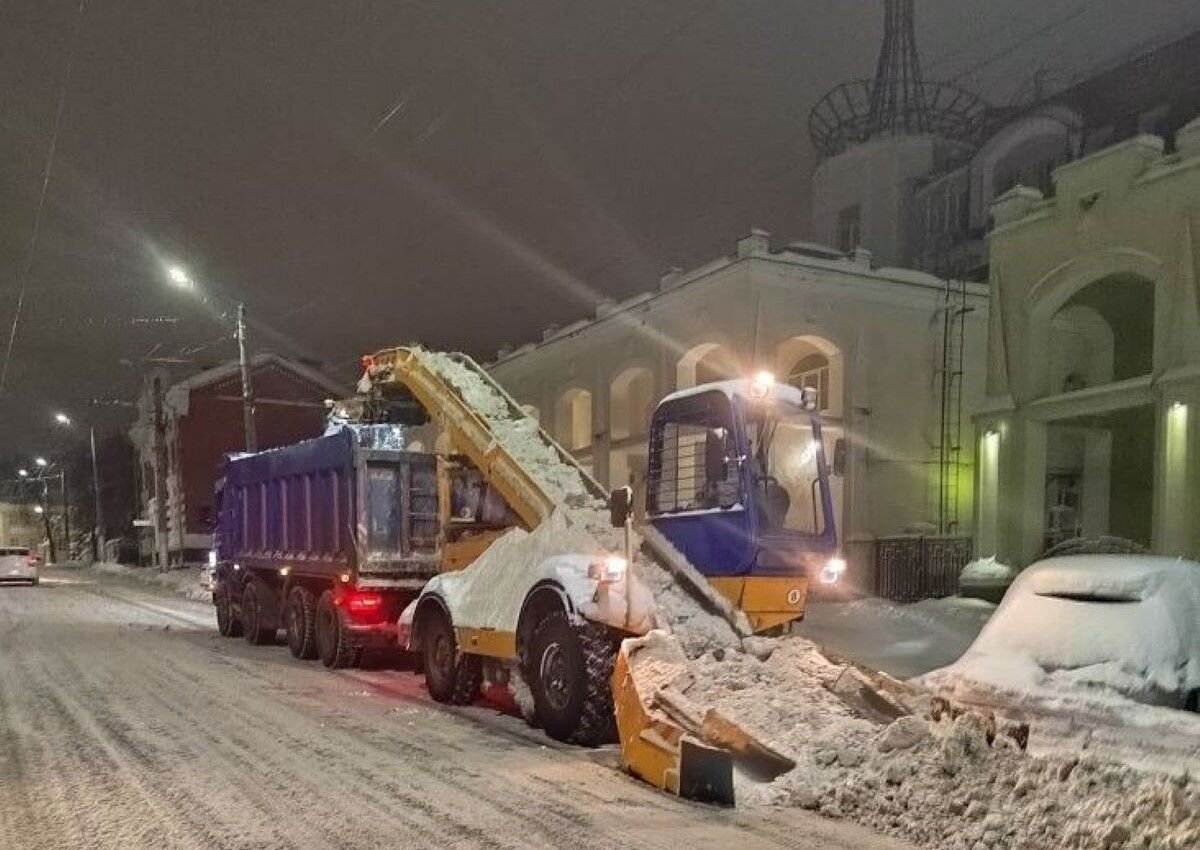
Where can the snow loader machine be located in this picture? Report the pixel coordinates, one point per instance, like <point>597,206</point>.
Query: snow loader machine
<point>738,513</point>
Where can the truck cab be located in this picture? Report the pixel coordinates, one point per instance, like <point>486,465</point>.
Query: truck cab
<point>738,482</point>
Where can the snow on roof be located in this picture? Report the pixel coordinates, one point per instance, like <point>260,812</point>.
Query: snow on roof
<point>740,387</point>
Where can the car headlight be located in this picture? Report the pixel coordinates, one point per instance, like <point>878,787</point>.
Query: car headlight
<point>611,568</point>
<point>833,570</point>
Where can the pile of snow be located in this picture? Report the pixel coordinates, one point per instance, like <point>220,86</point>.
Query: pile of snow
<point>1129,624</point>
<point>939,785</point>
<point>987,571</point>
<point>186,582</point>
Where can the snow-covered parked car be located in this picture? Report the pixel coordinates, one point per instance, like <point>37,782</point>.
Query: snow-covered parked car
<point>1092,626</point>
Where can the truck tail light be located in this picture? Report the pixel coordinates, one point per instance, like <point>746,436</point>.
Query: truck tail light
<point>363,602</point>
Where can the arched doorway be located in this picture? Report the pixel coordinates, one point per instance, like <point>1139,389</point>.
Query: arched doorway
<point>1099,466</point>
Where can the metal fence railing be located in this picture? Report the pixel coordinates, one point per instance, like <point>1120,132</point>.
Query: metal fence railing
<point>911,568</point>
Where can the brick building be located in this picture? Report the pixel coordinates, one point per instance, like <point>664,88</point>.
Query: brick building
<point>201,421</point>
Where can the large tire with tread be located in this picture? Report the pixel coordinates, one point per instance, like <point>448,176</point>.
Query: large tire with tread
<point>252,617</point>
<point>336,646</point>
<point>570,673</point>
<point>227,624</point>
<point>301,623</point>
<point>451,677</point>
<point>1193,701</point>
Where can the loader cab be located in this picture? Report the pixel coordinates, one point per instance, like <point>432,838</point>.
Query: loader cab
<point>738,481</point>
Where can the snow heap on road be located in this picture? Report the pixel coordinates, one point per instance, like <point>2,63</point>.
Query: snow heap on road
<point>939,785</point>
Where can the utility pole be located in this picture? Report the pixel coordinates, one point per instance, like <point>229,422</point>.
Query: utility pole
<point>43,503</point>
<point>247,393</point>
<point>66,511</point>
<point>160,477</point>
<point>98,531</point>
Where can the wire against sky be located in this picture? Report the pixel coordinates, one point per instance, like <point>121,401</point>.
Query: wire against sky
<point>41,205</point>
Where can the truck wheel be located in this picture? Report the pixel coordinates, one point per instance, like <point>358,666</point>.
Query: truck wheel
<point>252,617</point>
<point>227,624</point>
<point>570,674</point>
<point>301,623</point>
<point>1193,701</point>
<point>451,676</point>
<point>335,645</point>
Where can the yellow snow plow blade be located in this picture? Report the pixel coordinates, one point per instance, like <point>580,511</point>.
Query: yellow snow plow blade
<point>671,742</point>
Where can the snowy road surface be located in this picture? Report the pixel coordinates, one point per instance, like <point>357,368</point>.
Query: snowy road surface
<point>126,722</point>
<point>904,640</point>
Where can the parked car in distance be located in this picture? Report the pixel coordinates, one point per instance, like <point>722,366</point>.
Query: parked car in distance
<point>17,563</point>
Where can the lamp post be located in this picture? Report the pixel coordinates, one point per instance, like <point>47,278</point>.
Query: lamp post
<point>183,280</point>
<point>98,530</point>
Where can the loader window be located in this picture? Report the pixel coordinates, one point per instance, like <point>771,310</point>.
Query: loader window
<point>786,464</point>
<point>679,445</point>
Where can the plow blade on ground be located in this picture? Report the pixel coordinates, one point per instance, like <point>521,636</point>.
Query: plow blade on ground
<point>672,743</point>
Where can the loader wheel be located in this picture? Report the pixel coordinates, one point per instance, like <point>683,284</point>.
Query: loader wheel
<point>301,623</point>
<point>451,676</point>
<point>252,617</point>
<point>227,624</point>
<point>1193,701</point>
<point>336,646</point>
<point>570,674</point>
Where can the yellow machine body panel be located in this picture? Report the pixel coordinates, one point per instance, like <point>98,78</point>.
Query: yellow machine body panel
<point>490,642</point>
<point>767,601</point>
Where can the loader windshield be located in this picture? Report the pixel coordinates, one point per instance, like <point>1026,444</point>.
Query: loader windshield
<point>786,466</point>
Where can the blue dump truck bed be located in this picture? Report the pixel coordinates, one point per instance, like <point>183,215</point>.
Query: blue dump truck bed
<point>331,507</point>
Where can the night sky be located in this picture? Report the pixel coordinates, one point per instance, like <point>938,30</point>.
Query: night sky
<point>539,155</point>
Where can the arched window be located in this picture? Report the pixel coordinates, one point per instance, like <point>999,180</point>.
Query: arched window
<point>816,363</point>
<point>630,401</point>
<point>704,363</point>
<point>573,417</point>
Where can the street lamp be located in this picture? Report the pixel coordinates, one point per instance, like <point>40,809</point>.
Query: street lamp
<point>41,462</point>
<point>97,532</point>
<point>24,473</point>
<point>179,276</point>
<point>38,509</point>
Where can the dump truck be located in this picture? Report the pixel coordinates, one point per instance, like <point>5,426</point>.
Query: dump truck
<point>328,539</point>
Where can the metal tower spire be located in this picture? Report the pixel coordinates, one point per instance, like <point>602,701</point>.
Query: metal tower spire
<point>897,101</point>
<point>897,94</point>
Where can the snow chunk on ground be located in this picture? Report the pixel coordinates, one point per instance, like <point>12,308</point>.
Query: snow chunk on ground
<point>185,582</point>
<point>987,571</point>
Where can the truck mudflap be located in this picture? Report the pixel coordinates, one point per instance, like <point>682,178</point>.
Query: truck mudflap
<point>672,743</point>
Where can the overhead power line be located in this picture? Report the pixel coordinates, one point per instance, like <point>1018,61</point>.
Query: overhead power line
<point>41,204</point>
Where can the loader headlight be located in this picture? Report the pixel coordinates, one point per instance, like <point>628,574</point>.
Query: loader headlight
<point>833,570</point>
<point>611,568</point>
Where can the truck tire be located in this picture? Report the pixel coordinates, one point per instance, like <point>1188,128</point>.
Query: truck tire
<point>302,623</point>
<point>336,646</point>
<point>570,674</point>
<point>252,617</point>
<point>227,624</point>
<point>451,677</point>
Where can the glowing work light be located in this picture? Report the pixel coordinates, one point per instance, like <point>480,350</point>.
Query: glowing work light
<point>761,384</point>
